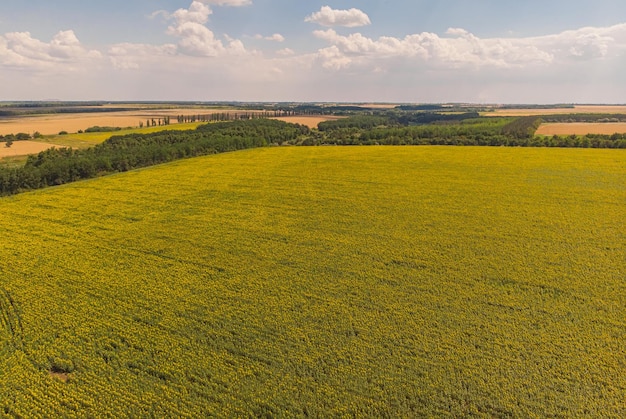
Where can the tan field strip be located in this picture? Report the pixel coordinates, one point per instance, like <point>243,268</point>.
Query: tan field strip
<point>72,122</point>
<point>581,128</point>
<point>22,148</point>
<point>309,121</point>
<point>555,111</point>
<point>378,105</point>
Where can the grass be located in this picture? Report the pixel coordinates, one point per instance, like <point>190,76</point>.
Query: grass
<point>12,161</point>
<point>328,281</point>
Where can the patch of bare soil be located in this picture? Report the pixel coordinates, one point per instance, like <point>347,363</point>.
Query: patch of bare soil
<point>581,128</point>
<point>309,121</point>
<point>559,111</point>
<point>23,148</point>
<point>61,376</point>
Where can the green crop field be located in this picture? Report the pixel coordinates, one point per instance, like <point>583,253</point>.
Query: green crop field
<point>324,282</point>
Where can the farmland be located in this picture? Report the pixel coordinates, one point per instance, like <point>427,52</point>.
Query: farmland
<point>581,128</point>
<point>73,122</point>
<point>309,121</point>
<point>321,281</point>
<point>52,118</point>
<point>20,148</point>
<point>577,109</point>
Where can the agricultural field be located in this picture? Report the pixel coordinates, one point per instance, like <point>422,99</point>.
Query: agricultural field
<point>88,139</point>
<point>21,148</point>
<point>615,109</point>
<point>321,281</point>
<point>581,128</point>
<point>73,122</point>
<point>307,120</point>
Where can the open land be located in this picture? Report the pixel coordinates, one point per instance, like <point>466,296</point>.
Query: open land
<point>73,122</point>
<point>80,140</point>
<point>309,121</point>
<point>21,148</point>
<point>554,111</point>
<point>324,282</point>
<point>581,128</point>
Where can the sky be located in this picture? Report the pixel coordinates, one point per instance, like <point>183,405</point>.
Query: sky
<point>398,51</point>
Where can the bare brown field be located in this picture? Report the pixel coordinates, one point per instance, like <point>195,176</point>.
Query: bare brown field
<point>72,122</point>
<point>555,111</point>
<point>581,128</point>
<point>378,105</point>
<point>22,148</point>
<point>309,121</point>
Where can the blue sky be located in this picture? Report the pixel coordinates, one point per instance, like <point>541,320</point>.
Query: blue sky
<point>481,51</point>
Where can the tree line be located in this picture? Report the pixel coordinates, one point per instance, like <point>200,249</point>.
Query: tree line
<point>463,129</point>
<point>57,166</point>
<point>126,152</point>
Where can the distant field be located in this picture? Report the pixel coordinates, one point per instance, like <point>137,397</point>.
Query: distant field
<point>90,138</point>
<point>581,128</point>
<point>553,111</point>
<point>21,148</point>
<point>309,121</point>
<point>321,282</point>
<point>73,122</point>
<point>82,140</point>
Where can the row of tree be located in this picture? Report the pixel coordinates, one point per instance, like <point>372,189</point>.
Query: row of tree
<point>466,130</point>
<point>57,166</point>
<point>122,153</point>
<point>20,136</point>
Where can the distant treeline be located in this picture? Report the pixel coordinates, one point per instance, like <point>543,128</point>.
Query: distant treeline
<point>98,128</point>
<point>39,110</point>
<point>123,153</point>
<point>556,106</point>
<point>452,129</point>
<point>585,117</point>
<point>394,119</point>
<point>425,107</point>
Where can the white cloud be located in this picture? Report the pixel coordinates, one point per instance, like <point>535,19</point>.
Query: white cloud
<point>195,38</point>
<point>197,13</point>
<point>233,3</point>
<point>285,52</point>
<point>197,63</point>
<point>63,52</point>
<point>460,48</point>
<point>130,56</point>
<point>329,17</point>
<point>332,58</point>
<point>163,13</point>
<point>275,37</point>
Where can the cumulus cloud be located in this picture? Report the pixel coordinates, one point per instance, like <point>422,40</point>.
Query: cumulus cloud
<point>460,48</point>
<point>275,37</point>
<point>195,37</point>
<point>233,3</point>
<point>329,17</point>
<point>197,13</point>
<point>285,52</point>
<point>20,49</point>
<point>129,56</point>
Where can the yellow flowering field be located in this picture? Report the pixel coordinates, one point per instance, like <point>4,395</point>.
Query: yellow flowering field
<point>323,282</point>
